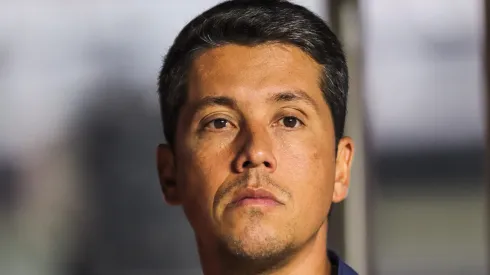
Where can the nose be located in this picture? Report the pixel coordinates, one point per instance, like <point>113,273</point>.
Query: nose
<point>256,152</point>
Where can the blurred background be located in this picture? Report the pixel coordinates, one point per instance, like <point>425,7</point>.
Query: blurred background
<point>79,123</point>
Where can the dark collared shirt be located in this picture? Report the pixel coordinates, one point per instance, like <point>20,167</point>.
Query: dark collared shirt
<point>338,266</point>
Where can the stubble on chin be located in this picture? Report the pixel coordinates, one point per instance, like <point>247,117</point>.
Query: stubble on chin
<point>257,241</point>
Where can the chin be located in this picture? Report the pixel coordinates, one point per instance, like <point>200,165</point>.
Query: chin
<point>257,241</point>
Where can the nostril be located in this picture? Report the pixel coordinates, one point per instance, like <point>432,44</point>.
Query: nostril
<point>267,164</point>
<point>246,164</point>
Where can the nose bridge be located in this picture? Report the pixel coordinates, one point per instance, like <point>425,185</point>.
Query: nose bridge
<point>257,148</point>
<point>259,141</point>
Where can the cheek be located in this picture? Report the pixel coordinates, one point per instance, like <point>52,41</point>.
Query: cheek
<point>200,173</point>
<point>309,172</point>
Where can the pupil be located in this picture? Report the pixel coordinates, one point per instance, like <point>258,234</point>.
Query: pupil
<point>290,122</point>
<point>219,123</point>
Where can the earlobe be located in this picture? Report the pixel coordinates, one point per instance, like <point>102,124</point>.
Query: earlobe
<point>343,166</point>
<point>340,192</point>
<point>166,174</point>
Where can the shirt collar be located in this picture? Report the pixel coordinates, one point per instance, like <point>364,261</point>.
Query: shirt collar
<point>343,268</point>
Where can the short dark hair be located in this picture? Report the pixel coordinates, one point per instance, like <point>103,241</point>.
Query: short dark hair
<point>254,22</point>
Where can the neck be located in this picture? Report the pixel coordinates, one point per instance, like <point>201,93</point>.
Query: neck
<point>310,258</point>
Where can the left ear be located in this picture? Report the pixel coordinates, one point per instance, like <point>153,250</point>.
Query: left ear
<point>166,174</point>
<point>343,163</point>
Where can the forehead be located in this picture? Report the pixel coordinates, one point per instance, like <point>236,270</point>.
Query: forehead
<point>253,71</point>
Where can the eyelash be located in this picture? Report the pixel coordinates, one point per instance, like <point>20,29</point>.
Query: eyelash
<point>227,121</point>
<point>207,124</point>
<point>299,121</point>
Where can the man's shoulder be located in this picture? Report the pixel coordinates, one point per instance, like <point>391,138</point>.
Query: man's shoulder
<point>342,268</point>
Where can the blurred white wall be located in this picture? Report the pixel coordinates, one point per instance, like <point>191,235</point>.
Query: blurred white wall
<point>424,96</point>
<point>423,75</point>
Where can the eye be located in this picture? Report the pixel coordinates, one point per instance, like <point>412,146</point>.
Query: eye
<point>290,122</point>
<point>218,124</point>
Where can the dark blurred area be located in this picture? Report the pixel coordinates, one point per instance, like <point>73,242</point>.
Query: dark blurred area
<point>80,123</point>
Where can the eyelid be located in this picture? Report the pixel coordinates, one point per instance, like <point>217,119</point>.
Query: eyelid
<point>206,120</point>
<point>301,111</point>
<point>296,113</point>
<point>300,121</point>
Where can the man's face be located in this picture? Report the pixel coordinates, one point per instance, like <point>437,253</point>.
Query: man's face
<point>254,163</point>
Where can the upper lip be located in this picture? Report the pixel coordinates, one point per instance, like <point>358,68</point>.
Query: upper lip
<point>253,194</point>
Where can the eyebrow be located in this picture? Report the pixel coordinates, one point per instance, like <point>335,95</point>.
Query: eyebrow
<point>225,101</point>
<point>292,96</point>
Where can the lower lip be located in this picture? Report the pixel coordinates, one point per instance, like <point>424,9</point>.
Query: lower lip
<point>256,202</point>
